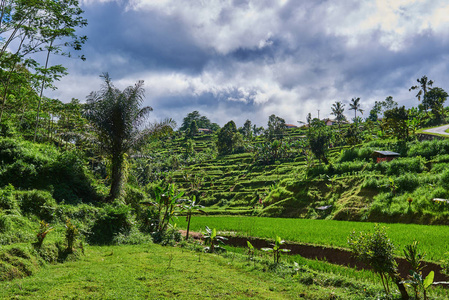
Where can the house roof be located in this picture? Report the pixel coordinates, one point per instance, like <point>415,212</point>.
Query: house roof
<point>386,153</point>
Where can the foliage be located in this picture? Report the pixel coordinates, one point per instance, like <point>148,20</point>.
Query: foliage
<point>337,110</point>
<point>415,259</point>
<point>111,221</point>
<point>44,229</point>
<point>276,249</point>
<point>165,201</point>
<point>276,128</point>
<point>229,140</point>
<point>434,99</point>
<point>376,249</point>
<point>117,119</point>
<point>319,139</point>
<point>71,234</point>
<point>189,206</point>
<point>213,240</point>
<point>38,203</point>
<point>201,122</point>
<point>395,123</point>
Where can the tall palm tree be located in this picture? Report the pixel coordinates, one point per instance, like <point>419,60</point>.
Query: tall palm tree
<point>424,83</point>
<point>118,120</point>
<point>355,105</point>
<point>337,110</point>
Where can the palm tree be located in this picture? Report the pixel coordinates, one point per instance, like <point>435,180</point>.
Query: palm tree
<point>337,111</point>
<point>117,119</point>
<point>355,105</point>
<point>424,83</point>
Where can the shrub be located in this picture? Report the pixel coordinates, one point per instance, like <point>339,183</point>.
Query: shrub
<point>8,200</point>
<point>429,149</point>
<point>402,165</point>
<point>38,203</point>
<point>134,237</point>
<point>111,221</point>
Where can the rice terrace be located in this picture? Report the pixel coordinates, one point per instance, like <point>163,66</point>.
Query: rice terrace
<point>225,154</point>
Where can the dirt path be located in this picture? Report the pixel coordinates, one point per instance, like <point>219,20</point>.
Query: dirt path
<point>438,130</point>
<point>332,255</point>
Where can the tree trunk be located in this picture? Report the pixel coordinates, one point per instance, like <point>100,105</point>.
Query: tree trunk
<point>188,226</point>
<point>397,279</point>
<point>117,177</point>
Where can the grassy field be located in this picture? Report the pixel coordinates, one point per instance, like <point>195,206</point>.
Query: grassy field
<point>432,239</point>
<point>154,272</point>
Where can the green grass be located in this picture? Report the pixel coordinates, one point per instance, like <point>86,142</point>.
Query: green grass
<point>155,272</point>
<point>432,239</point>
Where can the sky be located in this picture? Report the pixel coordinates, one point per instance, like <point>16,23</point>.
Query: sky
<point>249,59</point>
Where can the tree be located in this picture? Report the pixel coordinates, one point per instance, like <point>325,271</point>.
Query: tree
<point>28,27</point>
<point>434,99</point>
<point>319,138</point>
<point>276,128</point>
<point>355,105</point>
<point>201,122</point>
<point>424,84</point>
<point>246,130</point>
<point>395,122</point>
<point>381,106</point>
<point>226,139</point>
<point>192,130</point>
<point>337,110</point>
<point>117,118</point>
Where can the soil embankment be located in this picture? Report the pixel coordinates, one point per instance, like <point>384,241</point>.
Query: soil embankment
<point>331,255</point>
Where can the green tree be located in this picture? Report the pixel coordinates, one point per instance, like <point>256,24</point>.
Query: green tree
<point>337,110</point>
<point>201,122</point>
<point>226,138</point>
<point>192,130</point>
<point>423,85</point>
<point>395,122</point>
<point>355,105</point>
<point>276,128</point>
<point>434,99</point>
<point>319,138</point>
<point>381,106</point>
<point>117,118</point>
<point>246,130</point>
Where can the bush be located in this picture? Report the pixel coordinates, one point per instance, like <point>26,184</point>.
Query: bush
<point>134,237</point>
<point>402,165</point>
<point>8,200</point>
<point>111,221</point>
<point>429,149</point>
<point>38,203</point>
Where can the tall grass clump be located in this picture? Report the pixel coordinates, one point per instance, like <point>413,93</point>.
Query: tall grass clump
<point>356,154</point>
<point>429,149</point>
<point>402,165</point>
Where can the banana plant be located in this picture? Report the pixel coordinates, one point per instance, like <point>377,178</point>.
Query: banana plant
<point>166,204</point>
<point>416,280</point>
<point>250,250</point>
<point>190,207</point>
<point>212,239</point>
<point>44,229</point>
<point>276,249</point>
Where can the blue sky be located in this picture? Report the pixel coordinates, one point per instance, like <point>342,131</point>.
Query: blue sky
<point>248,59</point>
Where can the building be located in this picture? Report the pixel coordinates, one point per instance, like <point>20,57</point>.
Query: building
<point>381,156</point>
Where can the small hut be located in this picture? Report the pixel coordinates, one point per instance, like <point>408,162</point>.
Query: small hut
<point>381,156</point>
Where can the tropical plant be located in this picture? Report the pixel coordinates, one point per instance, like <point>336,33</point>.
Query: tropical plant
<point>189,208</point>
<point>44,229</point>
<point>212,239</point>
<point>355,105</point>
<point>434,99</point>
<point>276,128</point>
<point>415,259</point>
<point>166,203</point>
<point>423,85</point>
<point>276,249</point>
<point>376,250</point>
<point>337,110</point>
<point>117,119</point>
<point>417,281</point>
<point>71,234</point>
<point>251,250</point>
<point>319,138</point>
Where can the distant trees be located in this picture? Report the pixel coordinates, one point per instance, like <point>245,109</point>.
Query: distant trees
<point>337,110</point>
<point>229,139</point>
<point>395,122</point>
<point>246,130</point>
<point>434,99</point>
<point>423,85</point>
<point>381,106</point>
<point>201,122</point>
<point>276,128</point>
<point>355,105</point>
<point>117,119</point>
<point>319,137</point>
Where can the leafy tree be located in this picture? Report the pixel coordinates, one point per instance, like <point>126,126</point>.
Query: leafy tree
<point>396,123</point>
<point>423,85</point>
<point>434,99</point>
<point>376,250</point>
<point>117,118</point>
<point>337,110</point>
<point>355,105</point>
<point>276,128</point>
<point>226,138</point>
<point>319,138</point>
<point>189,208</point>
<point>192,130</point>
<point>257,130</point>
<point>201,122</point>
<point>382,106</point>
<point>246,130</point>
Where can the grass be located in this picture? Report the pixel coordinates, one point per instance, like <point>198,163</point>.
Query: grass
<point>154,272</point>
<point>432,239</point>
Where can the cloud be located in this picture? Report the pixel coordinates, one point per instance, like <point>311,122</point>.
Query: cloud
<point>248,59</point>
